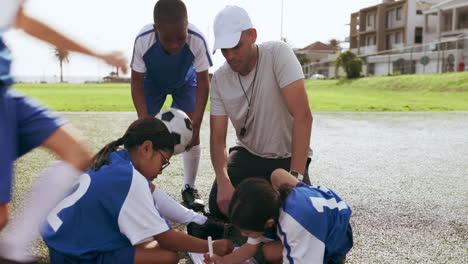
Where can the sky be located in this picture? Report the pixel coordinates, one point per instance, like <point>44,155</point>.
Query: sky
<point>108,25</point>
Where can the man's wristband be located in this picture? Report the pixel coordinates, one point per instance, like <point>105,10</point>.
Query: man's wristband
<point>297,175</point>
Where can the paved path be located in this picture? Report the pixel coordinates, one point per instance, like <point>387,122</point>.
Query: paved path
<point>404,174</point>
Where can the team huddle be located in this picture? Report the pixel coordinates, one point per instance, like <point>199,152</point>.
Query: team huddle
<point>107,207</point>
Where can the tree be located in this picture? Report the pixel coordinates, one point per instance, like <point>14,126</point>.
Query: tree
<point>302,58</point>
<point>335,43</point>
<point>62,57</point>
<point>351,64</point>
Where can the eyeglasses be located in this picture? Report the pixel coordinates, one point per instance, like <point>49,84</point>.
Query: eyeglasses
<point>166,161</point>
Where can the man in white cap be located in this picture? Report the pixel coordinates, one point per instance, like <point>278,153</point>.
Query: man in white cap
<point>261,90</point>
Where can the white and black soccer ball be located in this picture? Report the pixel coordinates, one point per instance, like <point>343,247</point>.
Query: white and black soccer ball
<point>180,126</point>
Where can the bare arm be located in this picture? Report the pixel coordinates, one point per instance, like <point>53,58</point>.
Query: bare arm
<point>138,94</point>
<point>298,106</point>
<point>175,240</point>
<point>43,32</point>
<point>218,127</point>
<point>203,89</point>
<point>280,177</point>
<point>4,215</point>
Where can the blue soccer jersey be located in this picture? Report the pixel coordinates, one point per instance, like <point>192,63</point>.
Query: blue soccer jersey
<point>8,12</point>
<point>110,209</point>
<point>170,74</point>
<point>24,123</point>
<point>314,226</point>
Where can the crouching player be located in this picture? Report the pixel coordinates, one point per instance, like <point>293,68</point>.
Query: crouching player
<point>312,222</point>
<point>112,216</point>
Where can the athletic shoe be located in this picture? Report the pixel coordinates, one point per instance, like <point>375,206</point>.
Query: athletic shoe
<point>192,199</point>
<point>217,230</point>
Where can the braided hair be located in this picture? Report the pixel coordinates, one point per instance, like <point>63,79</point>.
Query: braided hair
<point>149,128</point>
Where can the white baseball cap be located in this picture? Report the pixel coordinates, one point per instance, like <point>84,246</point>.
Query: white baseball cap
<point>228,26</point>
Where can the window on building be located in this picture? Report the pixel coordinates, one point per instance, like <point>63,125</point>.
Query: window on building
<point>388,41</point>
<point>399,13</point>
<point>463,19</point>
<point>371,41</point>
<point>370,20</point>
<point>390,18</point>
<point>371,69</point>
<point>418,35</point>
<point>447,21</point>
<point>419,12</point>
<point>398,37</point>
<point>404,66</point>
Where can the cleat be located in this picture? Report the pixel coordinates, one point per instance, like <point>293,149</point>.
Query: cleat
<point>192,199</point>
<point>217,230</point>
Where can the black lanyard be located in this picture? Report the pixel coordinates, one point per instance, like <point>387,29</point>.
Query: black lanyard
<point>251,87</point>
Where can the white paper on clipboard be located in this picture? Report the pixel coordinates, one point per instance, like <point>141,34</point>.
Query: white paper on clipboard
<point>197,258</point>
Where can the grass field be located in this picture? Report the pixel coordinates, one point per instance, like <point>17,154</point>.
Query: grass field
<point>428,92</point>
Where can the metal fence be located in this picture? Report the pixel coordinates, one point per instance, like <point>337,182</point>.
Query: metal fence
<point>443,56</point>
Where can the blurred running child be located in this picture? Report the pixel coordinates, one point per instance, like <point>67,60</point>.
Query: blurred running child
<point>24,125</point>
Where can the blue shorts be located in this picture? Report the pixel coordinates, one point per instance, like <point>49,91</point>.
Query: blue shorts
<point>183,99</point>
<point>24,125</point>
<point>122,255</point>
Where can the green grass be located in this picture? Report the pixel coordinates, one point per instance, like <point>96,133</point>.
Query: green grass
<point>422,92</point>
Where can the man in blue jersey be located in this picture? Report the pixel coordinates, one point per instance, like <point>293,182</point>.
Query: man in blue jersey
<point>170,57</point>
<point>312,223</point>
<point>24,125</point>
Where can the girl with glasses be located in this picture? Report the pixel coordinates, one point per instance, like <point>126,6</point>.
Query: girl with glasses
<point>112,215</point>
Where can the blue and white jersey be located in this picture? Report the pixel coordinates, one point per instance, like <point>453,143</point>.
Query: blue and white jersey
<point>111,208</point>
<point>165,72</point>
<point>314,226</point>
<point>8,12</point>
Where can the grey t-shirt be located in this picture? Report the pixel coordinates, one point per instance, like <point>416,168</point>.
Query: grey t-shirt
<point>269,123</point>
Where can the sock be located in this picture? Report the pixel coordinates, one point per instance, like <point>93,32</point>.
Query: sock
<point>174,211</point>
<point>191,162</point>
<point>52,186</point>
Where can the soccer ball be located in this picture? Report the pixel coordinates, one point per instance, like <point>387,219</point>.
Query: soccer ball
<point>180,126</point>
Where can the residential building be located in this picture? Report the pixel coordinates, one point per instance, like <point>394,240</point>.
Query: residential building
<point>446,20</point>
<point>406,37</point>
<point>317,51</point>
<point>393,24</point>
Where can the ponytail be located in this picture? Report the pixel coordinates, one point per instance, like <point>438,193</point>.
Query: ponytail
<point>102,157</point>
<point>139,131</point>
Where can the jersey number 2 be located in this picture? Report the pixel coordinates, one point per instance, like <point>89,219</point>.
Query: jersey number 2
<point>54,221</point>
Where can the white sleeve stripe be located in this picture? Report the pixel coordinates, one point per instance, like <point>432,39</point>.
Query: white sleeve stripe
<point>285,244</point>
<point>134,43</point>
<point>138,218</point>
<point>147,235</point>
<point>300,246</point>
<point>204,43</point>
